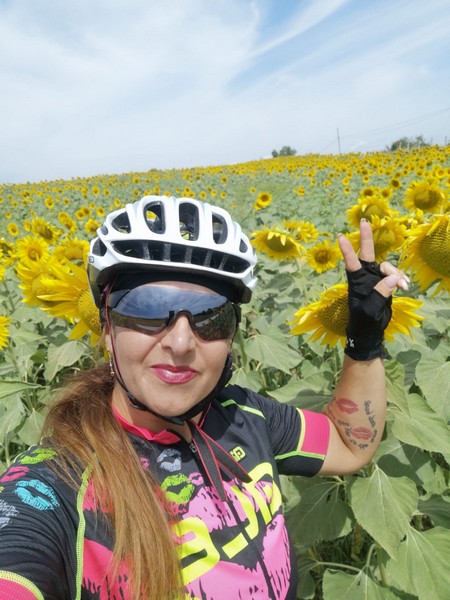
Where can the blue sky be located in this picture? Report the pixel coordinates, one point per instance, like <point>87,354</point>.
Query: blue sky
<point>90,87</point>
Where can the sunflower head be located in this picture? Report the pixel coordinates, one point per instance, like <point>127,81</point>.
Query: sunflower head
<point>426,253</point>
<point>323,256</point>
<point>326,320</point>
<point>368,208</point>
<point>425,195</point>
<point>4,332</point>
<point>276,243</point>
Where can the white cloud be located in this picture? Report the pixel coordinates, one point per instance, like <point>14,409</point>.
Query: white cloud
<point>108,86</point>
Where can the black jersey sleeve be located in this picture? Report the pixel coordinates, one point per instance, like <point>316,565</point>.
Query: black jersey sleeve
<point>37,531</point>
<point>298,438</point>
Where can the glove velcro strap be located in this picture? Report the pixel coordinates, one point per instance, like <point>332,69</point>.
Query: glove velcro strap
<point>364,348</point>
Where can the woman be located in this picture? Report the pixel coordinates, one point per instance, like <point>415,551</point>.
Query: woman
<point>155,479</point>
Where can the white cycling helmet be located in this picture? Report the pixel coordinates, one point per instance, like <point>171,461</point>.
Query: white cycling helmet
<point>165,238</point>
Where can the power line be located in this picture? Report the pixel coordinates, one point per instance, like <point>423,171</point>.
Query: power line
<point>388,128</point>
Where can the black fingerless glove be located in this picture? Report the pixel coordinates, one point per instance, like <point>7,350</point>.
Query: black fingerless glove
<point>369,313</point>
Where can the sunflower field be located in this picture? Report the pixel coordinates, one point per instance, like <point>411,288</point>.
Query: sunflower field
<point>380,534</point>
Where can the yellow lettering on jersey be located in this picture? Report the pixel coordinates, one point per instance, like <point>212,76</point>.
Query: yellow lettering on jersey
<point>271,491</point>
<point>239,542</point>
<point>200,541</point>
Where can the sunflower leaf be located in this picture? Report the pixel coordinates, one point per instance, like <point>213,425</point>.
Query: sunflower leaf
<point>320,514</point>
<point>8,388</point>
<point>354,587</point>
<point>62,356</point>
<point>421,565</point>
<point>420,426</point>
<point>434,381</point>
<point>271,350</point>
<point>384,506</point>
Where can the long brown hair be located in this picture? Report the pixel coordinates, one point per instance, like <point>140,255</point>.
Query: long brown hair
<point>80,425</point>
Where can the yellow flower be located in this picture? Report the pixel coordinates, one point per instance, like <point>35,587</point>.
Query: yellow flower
<point>45,230</point>
<point>403,317</point>
<point>388,236</point>
<point>73,249</point>
<point>13,229</point>
<point>91,226</point>
<point>323,256</point>
<point>276,244</point>
<point>67,222</point>
<point>30,274</point>
<point>70,297</point>
<point>263,200</point>
<point>326,320</point>
<point>304,231</point>
<point>31,248</point>
<point>426,253</point>
<point>367,208</point>
<point>425,195</point>
<point>4,333</point>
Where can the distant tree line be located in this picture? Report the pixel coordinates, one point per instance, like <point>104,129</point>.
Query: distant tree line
<point>406,143</point>
<point>285,151</point>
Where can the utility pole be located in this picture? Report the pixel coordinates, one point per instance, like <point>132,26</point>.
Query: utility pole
<point>338,141</point>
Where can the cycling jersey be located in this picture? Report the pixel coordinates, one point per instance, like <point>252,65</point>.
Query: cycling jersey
<point>56,544</point>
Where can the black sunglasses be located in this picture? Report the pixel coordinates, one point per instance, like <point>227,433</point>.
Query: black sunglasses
<point>152,308</point>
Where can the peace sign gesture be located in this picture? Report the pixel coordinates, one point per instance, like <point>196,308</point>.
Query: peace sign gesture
<point>370,287</point>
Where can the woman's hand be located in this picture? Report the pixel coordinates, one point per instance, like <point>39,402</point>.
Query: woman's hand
<point>370,287</point>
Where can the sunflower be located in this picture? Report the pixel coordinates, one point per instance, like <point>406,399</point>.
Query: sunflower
<point>70,297</point>
<point>304,231</point>
<point>426,253</point>
<point>263,200</point>
<point>368,208</point>
<point>277,244</point>
<point>323,256</point>
<point>388,236</point>
<point>2,272</point>
<point>91,226</point>
<point>45,230</point>
<point>6,252</point>
<point>425,195</point>
<point>327,318</point>
<point>13,229</point>
<point>30,274</point>
<point>31,248</point>
<point>4,333</point>
<point>403,317</point>
<point>73,249</point>
<point>67,222</point>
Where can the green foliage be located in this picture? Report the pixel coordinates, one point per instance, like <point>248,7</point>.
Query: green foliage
<point>407,143</point>
<point>285,151</point>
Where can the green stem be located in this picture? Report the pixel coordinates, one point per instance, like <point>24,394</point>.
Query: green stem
<point>383,574</point>
<point>339,566</point>
<point>369,555</point>
<point>9,298</point>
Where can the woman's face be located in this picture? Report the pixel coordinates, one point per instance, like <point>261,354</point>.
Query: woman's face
<point>169,371</point>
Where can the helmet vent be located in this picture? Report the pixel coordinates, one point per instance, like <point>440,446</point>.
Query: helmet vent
<point>219,229</point>
<point>154,217</point>
<point>99,248</point>
<point>188,221</point>
<point>243,247</point>
<point>121,223</point>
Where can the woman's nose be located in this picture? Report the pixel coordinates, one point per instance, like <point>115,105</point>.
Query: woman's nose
<point>179,336</point>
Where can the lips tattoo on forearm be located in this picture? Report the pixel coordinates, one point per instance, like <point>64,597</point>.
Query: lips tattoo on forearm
<point>356,433</point>
<point>346,405</point>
